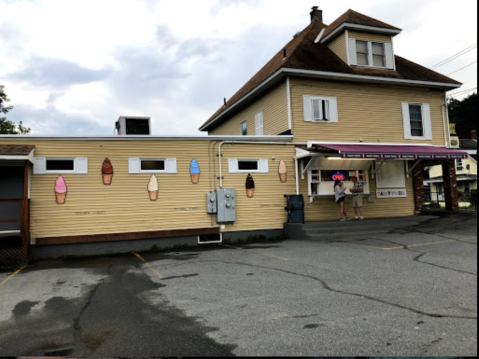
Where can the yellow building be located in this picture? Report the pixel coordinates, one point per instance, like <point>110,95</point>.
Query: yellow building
<point>334,103</point>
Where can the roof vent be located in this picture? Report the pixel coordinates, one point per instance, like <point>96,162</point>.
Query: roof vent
<point>133,125</point>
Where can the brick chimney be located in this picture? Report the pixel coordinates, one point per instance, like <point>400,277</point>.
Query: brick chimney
<point>316,14</point>
<point>474,135</point>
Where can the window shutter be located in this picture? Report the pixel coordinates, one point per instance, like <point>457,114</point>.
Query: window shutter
<point>134,165</point>
<point>353,59</point>
<point>388,50</point>
<point>426,120</point>
<point>81,166</point>
<point>333,110</point>
<point>406,121</point>
<point>40,165</point>
<point>263,166</point>
<point>171,165</point>
<point>308,115</point>
<point>259,124</point>
<point>233,165</point>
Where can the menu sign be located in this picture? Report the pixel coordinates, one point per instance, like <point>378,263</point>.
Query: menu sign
<point>391,193</point>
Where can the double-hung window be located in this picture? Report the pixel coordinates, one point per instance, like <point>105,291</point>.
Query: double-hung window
<point>320,109</point>
<point>370,54</point>
<point>243,129</point>
<point>459,165</point>
<point>417,121</point>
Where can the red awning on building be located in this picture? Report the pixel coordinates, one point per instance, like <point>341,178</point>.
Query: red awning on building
<point>394,152</point>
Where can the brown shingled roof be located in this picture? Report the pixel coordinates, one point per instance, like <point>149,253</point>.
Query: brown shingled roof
<point>16,150</point>
<point>303,53</point>
<point>354,17</point>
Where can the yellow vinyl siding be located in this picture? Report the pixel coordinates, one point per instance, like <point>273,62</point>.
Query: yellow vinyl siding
<point>125,206</point>
<point>436,171</point>
<point>371,113</point>
<point>274,105</point>
<point>338,45</point>
<point>327,209</point>
<point>367,36</point>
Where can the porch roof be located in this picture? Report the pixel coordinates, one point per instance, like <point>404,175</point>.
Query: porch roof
<point>17,152</point>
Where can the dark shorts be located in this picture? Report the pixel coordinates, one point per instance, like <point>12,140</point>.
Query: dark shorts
<point>342,199</point>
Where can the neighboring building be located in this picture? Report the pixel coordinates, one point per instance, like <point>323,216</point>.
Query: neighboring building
<point>466,171</point>
<point>336,102</point>
<point>341,91</point>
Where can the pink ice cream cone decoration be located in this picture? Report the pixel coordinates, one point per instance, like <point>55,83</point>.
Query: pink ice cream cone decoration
<point>60,190</point>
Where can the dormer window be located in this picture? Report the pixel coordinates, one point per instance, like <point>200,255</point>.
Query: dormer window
<point>370,54</point>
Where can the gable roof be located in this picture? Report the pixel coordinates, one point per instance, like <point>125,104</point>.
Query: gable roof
<point>304,53</point>
<point>353,17</point>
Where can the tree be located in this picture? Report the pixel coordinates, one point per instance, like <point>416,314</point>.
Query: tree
<point>9,127</point>
<point>463,114</point>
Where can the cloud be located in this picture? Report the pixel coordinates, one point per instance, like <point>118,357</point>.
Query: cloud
<point>53,73</point>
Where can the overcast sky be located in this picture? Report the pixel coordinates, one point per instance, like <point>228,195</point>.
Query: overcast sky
<point>72,67</point>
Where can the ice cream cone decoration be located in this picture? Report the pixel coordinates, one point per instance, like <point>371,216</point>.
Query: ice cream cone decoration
<point>107,172</point>
<point>283,171</point>
<point>249,186</point>
<point>153,188</point>
<point>60,190</point>
<point>194,171</point>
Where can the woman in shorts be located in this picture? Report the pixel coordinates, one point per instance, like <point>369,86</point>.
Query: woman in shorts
<point>340,198</point>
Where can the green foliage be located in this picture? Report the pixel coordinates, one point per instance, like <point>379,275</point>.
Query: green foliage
<point>9,127</point>
<point>463,114</point>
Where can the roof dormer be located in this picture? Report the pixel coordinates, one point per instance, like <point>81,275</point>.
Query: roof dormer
<point>361,41</point>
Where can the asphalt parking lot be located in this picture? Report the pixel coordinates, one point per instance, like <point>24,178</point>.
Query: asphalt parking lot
<point>410,292</point>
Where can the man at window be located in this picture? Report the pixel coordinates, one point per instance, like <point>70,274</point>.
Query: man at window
<point>357,192</point>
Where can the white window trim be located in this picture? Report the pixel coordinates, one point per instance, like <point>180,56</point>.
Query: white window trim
<point>233,164</point>
<point>259,123</point>
<point>460,161</point>
<point>370,55</point>
<point>331,101</point>
<point>40,166</point>
<point>134,165</point>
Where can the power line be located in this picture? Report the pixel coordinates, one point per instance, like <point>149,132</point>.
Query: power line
<point>462,91</point>
<point>462,68</point>
<point>453,57</point>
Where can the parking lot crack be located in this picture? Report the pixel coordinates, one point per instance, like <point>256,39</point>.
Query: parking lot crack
<point>422,254</point>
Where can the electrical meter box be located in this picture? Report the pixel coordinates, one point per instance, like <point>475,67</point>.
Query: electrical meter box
<point>226,205</point>
<point>211,203</point>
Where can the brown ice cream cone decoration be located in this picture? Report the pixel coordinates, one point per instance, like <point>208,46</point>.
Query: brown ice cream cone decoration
<point>107,172</point>
<point>249,186</point>
<point>61,197</point>
<point>283,171</point>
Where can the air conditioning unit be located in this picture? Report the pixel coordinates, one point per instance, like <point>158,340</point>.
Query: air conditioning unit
<point>133,125</point>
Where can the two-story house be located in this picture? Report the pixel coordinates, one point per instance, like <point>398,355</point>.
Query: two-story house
<point>353,107</point>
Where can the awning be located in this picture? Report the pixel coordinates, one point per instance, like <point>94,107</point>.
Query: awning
<point>17,153</point>
<point>393,152</point>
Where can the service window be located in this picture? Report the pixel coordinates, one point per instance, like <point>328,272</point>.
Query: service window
<point>321,182</point>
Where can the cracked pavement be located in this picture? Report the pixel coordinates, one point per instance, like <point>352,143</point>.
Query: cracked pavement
<point>409,292</point>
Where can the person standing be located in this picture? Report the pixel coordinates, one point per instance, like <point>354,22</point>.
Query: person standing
<point>340,198</point>
<point>357,192</point>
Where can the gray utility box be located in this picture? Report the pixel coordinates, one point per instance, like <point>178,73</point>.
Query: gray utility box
<point>225,198</point>
<point>211,203</point>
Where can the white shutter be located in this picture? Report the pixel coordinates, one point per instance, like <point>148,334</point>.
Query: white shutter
<point>426,121</point>
<point>134,165</point>
<point>233,165</point>
<point>308,115</point>
<point>171,165</point>
<point>81,166</point>
<point>40,166</point>
<point>333,109</point>
<point>263,166</point>
<point>406,121</point>
<point>388,50</point>
<point>353,58</point>
<point>258,119</point>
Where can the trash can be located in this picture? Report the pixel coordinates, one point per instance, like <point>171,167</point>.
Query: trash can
<point>295,208</point>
